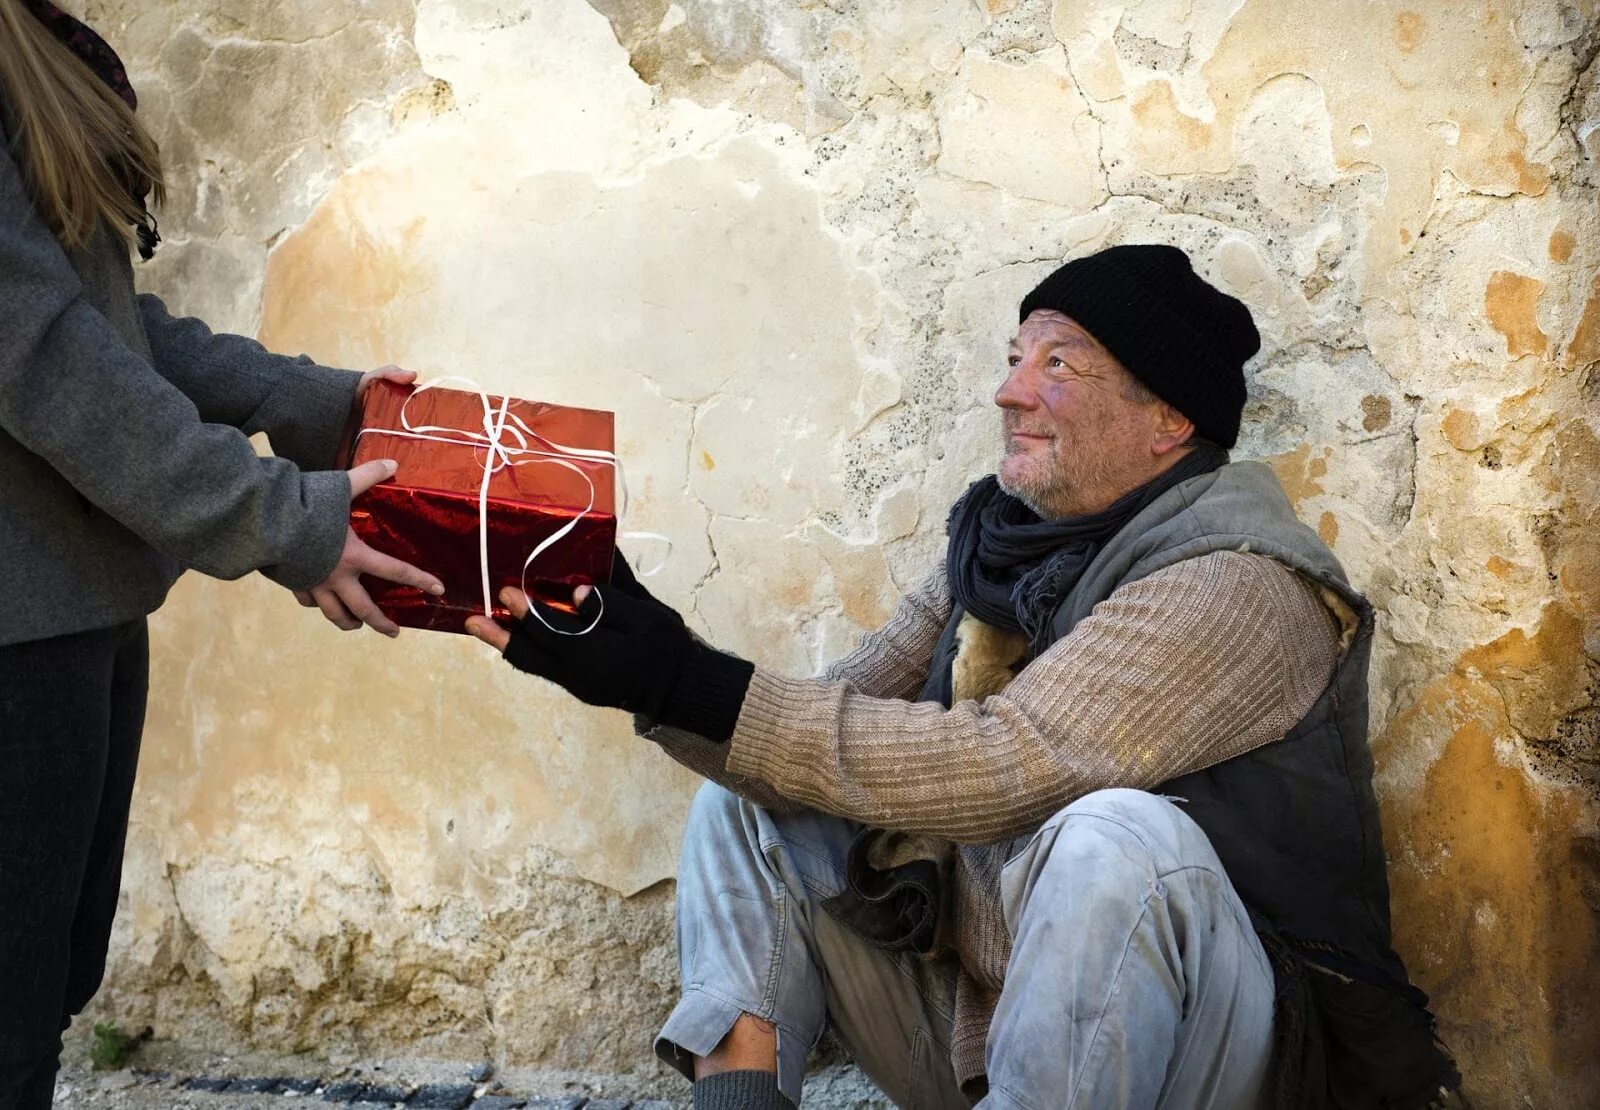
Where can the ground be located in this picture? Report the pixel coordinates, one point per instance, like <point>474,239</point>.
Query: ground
<point>168,1076</point>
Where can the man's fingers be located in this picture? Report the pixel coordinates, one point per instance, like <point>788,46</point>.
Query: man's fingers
<point>623,578</point>
<point>368,560</point>
<point>489,632</point>
<point>363,608</point>
<point>332,608</point>
<point>369,474</point>
<point>548,620</point>
<point>304,598</point>
<point>516,601</point>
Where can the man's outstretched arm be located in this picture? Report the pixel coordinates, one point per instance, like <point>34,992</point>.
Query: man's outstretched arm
<point>1176,672</point>
<point>888,662</point>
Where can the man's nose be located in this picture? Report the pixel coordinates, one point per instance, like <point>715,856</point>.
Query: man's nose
<point>1014,391</point>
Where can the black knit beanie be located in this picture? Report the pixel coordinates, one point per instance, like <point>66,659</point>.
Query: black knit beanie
<point>1184,339</point>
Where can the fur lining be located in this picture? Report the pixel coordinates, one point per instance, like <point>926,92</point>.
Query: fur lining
<point>1349,620</point>
<point>986,659</point>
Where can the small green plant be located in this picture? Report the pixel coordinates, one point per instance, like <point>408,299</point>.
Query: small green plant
<point>112,1048</point>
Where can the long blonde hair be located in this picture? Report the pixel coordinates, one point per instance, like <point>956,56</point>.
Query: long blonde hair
<point>83,152</point>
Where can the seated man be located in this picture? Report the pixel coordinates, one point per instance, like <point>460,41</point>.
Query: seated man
<point>1090,821</point>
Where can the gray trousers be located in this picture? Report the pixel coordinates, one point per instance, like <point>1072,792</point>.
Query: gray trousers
<point>1135,978</point>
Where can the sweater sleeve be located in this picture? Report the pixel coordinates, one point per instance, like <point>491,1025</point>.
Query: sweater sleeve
<point>74,393</point>
<point>893,661</point>
<point>890,662</point>
<point>1190,666</point>
<point>301,405</point>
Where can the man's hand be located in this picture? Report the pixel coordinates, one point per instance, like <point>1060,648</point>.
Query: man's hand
<point>623,649</point>
<point>630,657</point>
<point>622,578</point>
<point>385,373</point>
<point>340,596</point>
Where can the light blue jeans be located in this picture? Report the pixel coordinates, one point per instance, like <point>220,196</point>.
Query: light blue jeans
<point>1135,978</point>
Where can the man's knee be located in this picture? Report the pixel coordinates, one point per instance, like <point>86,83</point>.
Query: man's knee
<point>1120,826</point>
<point>1135,809</point>
<point>1109,848</point>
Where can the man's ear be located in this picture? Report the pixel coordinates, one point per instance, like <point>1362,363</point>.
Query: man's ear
<point>1171,430</point>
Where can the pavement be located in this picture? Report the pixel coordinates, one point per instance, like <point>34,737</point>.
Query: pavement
<point>164,1076</point>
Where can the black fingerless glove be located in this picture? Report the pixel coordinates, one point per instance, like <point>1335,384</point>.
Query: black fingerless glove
<point>637,655</point>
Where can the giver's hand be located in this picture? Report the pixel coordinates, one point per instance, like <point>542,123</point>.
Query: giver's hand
<point>340,596</point>
<point>387,374</point>
<point>638,655</point>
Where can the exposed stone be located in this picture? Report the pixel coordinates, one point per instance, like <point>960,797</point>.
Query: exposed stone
<point>443,1096</point>
<point>344,1092</point>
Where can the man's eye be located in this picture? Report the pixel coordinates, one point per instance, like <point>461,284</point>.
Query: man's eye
<point>1012,360</point>
<point>1057,364</point>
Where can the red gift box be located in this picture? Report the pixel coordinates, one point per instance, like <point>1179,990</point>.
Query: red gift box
<point>429,513</point>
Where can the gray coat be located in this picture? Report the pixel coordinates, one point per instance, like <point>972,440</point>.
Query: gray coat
<point>124,456</point>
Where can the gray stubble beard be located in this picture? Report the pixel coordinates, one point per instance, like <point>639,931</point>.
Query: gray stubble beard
<point>1044,501</point>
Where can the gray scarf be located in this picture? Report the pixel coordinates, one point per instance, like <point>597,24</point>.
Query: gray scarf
<point>1011,568</point>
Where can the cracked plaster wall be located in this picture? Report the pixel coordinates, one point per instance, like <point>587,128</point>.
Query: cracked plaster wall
<point>783,241</point>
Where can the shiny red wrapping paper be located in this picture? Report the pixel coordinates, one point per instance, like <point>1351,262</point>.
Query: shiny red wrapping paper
<point>427,514</point>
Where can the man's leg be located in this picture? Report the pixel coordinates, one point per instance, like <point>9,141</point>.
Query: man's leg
<point>765,969</point>
<point>1136,979</point>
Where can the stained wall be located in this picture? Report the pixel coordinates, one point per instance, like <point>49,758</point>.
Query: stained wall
<point>783,241</point>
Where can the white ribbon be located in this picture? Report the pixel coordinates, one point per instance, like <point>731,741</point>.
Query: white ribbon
<point>505,441</point>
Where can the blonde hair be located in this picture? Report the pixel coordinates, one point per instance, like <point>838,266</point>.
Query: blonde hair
<point>84,154</point>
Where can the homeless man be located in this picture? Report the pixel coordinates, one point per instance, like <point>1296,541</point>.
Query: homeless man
<point>1090,821</point>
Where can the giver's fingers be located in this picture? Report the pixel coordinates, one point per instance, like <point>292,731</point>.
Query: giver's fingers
<point>360,605</point>
<point>489,632</point>
<point>304,598</point>
<point>369,474</point>
<point>389,373</point>
<point>333,608</point>
<point>367,560</point>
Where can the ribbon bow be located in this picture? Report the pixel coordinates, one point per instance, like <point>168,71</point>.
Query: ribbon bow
<point>506,441</point>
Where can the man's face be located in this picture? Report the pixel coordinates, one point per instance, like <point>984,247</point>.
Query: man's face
<point>1080,430</point>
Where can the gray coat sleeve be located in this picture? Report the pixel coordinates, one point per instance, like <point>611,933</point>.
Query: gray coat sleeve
<point>74,393</point>
<point>233,380</point>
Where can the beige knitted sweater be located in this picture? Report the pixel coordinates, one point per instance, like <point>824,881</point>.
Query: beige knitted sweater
<point>1173,673</point>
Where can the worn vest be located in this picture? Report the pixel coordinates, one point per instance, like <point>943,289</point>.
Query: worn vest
<point>1295,822</point>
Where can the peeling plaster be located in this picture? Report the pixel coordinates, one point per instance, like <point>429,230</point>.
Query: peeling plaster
<point>785,241</point>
